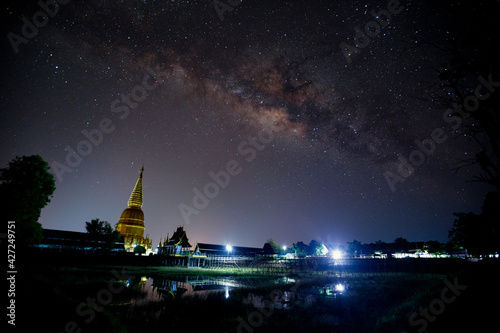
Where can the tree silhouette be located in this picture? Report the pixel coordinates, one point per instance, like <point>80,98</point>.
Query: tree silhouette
<point>316,248</point>
<point>102,231</point>
<point>469,75</point>
<point>380,246</point>
<point>300,249</point>
<point>354,248</point>
<point>275,246</point>
<point>479,234</point>
<point>435,247</point>
<point>401,244</point>
<point>469,92</point>
<point>95,228</point>
<point>26,186</point>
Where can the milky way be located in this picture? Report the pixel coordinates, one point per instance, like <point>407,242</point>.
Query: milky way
<point>343,120</point>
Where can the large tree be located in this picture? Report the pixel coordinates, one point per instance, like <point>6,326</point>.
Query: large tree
<point>26,186</point>
<point>469,75</point>
<point>470,83</point>
<point>275,247</point>
<point>401,244</point>
<point>102,231</point>
<point>316,248</point>
<point>479,234</point>
<point>354,248</point>
<point>300,249</point>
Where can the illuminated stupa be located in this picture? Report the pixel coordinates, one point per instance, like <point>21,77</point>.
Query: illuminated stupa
<point>131,223</point>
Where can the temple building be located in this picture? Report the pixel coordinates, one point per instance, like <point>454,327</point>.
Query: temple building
<point>131,223</point>
<point>175,245</point>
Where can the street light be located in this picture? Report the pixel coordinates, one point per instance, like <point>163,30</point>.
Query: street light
<point>336,254</point>
<point>229,249</point>
<point>339,287</point>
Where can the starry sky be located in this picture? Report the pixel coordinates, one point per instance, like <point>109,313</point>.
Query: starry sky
<point>266,108</point>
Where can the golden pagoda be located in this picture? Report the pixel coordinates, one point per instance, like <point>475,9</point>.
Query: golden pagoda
<point>131,223</point>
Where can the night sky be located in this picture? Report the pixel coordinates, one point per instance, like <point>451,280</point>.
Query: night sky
<point>263,90</point>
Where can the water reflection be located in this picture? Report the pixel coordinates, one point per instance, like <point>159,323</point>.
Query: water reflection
<point>331,290</point>
<point>302,297</point>
<point>153,289</point>
<point>278,300</point>
<point>147,293</point>
<point>198,285</point>
<point>180,286</point>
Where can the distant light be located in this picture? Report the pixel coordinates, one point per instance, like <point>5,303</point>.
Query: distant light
<point>284,247</point>
<point>339,287</point>
<point>229,248</point>
<point>337,254</point>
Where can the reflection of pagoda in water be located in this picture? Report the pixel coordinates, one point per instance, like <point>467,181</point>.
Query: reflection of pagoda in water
<point>131,223</point>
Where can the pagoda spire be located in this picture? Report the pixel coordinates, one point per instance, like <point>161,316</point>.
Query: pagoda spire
<point>136,196</point>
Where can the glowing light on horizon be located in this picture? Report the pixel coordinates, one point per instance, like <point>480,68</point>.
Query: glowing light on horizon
<point>337,254</point>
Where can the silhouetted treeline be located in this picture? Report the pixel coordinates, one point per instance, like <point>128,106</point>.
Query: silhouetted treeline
<point>356,248</point>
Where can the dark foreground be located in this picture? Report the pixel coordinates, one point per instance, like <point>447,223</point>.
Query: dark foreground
<point>73,297</point>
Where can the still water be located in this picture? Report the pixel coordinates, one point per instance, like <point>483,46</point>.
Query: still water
<point>287,292</point>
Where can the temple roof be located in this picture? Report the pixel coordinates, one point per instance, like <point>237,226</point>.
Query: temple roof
<point>131,221</point>
<point>135,200</point>
<point>178,238</point>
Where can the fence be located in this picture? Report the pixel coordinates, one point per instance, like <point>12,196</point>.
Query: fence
<point>341,267</point>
